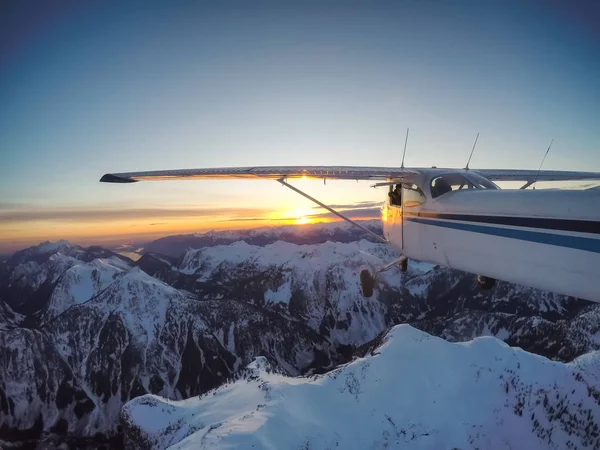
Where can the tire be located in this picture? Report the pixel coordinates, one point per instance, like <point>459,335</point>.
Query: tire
<point>404,265</point>
<point>485,283</point>
<point>367,283</point>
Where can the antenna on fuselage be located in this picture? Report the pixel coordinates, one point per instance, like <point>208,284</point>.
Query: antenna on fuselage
<point>472,150</point>
<point>543,159</point>
<point>404,153</point>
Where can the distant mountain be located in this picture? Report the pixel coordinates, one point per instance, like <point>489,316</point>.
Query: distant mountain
<point>84,330</point>
<point>319,233</point>
<point>411,391</point>
<point>42,281</point>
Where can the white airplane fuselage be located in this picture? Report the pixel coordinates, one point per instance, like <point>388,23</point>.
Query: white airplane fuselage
<point>547,239</point>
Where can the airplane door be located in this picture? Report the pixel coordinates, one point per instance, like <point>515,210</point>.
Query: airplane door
<point>392,217</point>
<point>412,200</point>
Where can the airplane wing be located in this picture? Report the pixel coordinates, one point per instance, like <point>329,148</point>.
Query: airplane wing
<point>265,172</point>
<point>336,172</point>
<point>533,175</point>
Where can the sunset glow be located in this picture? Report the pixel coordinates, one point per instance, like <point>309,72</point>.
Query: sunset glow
<point>202,86</point>
<point>19,228</point>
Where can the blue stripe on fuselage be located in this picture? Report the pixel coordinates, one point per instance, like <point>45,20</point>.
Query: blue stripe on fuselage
<point>560,240</point>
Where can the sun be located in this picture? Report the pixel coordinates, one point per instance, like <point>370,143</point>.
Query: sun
<point>300,216</point>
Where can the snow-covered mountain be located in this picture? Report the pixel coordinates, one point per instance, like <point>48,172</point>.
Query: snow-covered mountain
<point>319,285</point>
<point>411,391</point>
<point>316,284</point>
<point>117,333</point>
<point>84,330</point>
<point>42,281</point>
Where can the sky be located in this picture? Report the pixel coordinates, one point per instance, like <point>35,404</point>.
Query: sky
<point>88,88</point>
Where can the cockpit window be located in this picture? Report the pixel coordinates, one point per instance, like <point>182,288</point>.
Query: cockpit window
<point>457,182</point>
<point>448,183</point>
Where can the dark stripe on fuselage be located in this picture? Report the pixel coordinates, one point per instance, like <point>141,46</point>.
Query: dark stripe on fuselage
<point>578,226</point>
<point>560,240</point>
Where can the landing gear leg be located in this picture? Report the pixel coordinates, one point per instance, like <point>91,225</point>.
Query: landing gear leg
<point>485,283</point>
<point>367,281</point>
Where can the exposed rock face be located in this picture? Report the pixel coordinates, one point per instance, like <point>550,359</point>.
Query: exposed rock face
<point>84,330</point>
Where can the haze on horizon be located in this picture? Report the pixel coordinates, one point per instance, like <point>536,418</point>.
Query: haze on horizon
<point>109,87</point>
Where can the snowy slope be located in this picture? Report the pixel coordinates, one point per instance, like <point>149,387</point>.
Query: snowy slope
<point>414,391</point>
<point>82,281</point>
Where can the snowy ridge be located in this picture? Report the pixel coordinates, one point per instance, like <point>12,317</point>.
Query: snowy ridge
<point>278,231</point>
<point>413,391</point>
<point>281,253</point>
<point>318,233</point>
<point>47,247</point>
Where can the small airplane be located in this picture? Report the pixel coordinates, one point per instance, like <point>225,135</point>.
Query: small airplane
<point>459,218</point>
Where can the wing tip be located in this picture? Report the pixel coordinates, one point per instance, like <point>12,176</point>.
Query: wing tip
<point>111,178</point>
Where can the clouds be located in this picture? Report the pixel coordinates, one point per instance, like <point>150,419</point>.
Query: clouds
<point>356,205</point>
<point>359,213</point>
<point>12,213</point>
<point>24,225</point>
<point>85,215</point>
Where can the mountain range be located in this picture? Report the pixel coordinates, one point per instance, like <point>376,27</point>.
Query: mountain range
<point>84,331</point>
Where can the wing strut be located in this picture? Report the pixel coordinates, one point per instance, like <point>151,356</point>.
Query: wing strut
<point>333,211</point>
<point>526,185</point>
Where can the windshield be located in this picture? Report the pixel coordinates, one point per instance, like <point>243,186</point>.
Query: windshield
<point>458,182</point>
<point>481,182</point>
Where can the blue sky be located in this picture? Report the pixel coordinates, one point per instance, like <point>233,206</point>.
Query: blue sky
<point>103,87</point>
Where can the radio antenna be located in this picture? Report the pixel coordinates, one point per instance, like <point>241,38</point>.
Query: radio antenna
<point>472,150</point>
<point>543,159</point>
<point>405,142</point>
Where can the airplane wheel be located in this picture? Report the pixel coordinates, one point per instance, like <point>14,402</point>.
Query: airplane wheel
<point>367,283</point>
<point>485,283</point>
